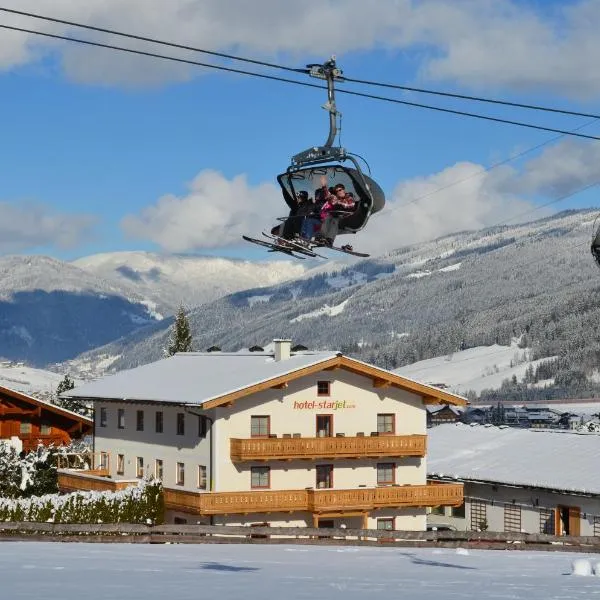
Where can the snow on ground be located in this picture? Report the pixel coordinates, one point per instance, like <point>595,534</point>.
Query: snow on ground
<point>330,311</point>
<point>555,458</point>
<point>70,571</point>
<point>450,268</point>
<point>473,369</point>
<point>252,300</point>
<point>419,274</point>
<point>35,382</point>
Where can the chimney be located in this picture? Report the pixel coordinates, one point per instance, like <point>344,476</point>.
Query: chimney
<point>282,349</point>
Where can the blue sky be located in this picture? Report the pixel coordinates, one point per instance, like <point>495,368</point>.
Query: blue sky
<point>103,153</point>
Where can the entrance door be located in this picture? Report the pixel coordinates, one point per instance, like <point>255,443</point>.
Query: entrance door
<point>324,425</point>
<point>568,520</point>
<point>325,523</point>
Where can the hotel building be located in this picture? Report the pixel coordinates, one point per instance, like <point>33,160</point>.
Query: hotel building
<point>285,438</point>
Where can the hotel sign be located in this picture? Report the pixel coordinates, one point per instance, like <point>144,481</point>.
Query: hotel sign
<point>323,405</point>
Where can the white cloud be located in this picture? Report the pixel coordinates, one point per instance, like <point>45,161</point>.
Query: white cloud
<point>24,227</point>
<point>478,43</point>
<point>215,213</point>
<point>561,169</point>
<point>443,207</point>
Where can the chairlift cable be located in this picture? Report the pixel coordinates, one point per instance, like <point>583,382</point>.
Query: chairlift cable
<point>296,82</point>
<point>149,39</point>
<point>493,166</point>
<point>473,98</point>
<point>296,70</point>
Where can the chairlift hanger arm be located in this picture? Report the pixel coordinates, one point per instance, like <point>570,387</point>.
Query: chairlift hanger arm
<point>330,73</point>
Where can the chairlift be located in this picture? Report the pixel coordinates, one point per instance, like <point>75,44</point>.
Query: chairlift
<point>318,170</point>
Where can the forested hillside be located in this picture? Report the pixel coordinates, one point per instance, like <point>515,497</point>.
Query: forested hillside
<point>536,282</point>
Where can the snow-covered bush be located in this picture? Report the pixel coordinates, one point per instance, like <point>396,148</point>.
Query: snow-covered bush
<point>139,504</point>
<point>34,473</point>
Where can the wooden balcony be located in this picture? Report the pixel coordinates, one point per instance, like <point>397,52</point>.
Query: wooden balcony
<point>260,449</point>
<point>315,501</point>
<point>73,481</point>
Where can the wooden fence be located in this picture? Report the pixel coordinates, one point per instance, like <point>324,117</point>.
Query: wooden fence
<point>207,534</point>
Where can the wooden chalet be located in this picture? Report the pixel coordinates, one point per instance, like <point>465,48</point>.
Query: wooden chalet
<point>35,421</point>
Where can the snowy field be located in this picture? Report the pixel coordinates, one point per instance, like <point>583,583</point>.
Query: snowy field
<point>71,571</point>
<point>473,369</point>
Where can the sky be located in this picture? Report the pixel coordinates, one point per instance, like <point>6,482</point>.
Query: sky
<point>104,151</point>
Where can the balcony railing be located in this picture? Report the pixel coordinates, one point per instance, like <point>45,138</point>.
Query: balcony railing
<point>254,449</point>
<point>72,481</point>
<point>220,503</point>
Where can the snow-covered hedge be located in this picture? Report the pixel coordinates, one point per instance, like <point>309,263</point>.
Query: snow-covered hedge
<point>140,504</point>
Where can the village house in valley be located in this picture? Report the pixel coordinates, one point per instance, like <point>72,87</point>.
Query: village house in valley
<point>35,421</point>
<point>515,479</point>
<point>285,438</point>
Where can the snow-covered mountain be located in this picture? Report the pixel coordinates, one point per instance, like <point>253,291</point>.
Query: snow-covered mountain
<point>168,280</point>
<point>51,311</point>
<point>536,282</point>
<point>39,383</point>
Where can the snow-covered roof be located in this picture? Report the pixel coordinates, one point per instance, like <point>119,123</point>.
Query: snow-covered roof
<point>47,405</point>
<point>196,377</point>
<point>556,459</point>
<point>215,378</point>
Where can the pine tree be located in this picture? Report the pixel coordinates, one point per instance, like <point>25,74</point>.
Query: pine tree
<point>69,403</point>
<point>66,384</point>
<point>181,338</point>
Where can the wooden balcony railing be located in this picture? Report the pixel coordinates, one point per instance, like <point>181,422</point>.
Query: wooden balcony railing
<point>72,481</point>
<point>254,449</point>
<point>367,499</point>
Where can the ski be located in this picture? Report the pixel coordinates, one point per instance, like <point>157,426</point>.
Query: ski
<point>297,247</point>
<point>353,252</point>
<point>273,247</point>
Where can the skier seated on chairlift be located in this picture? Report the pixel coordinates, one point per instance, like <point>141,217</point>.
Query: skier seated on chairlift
<point>337,202</point>
<point>294,225</point>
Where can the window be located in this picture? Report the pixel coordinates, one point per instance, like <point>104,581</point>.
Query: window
<point>438,510</point>
<point>260,426</point>
<point>324,425</point>
<point>158,421</point>
<point>386,473</point>
<point>201,477</point>
<point>120,464</point>
<point>180,424</point>
<point>386,524</point>
<point>260,477</point>
<point>103,417</point>
<point>478,516</point>
<point>386,424</point>
<point>158,469</point>
<point>25,427</point>
<point>547,522</point>
<point>180,475</point>
<point>139,469</point>
<point>512,518</point>
<point>458,511</point>
<point>104,460</point>
<point>596,525</point>
<point>323,388</point>
<point>121,418</point>
<point>139,420</point>
<point>202,427</point>
<point>45,429</point>
<point>324,476</point>
<point>179,521</point>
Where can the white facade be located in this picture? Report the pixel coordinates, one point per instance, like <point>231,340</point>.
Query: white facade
<point>190,446</point>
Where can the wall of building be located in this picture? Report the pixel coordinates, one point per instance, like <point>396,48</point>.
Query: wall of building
<point>189,449</point>
<point>410,519</point>
<point>354,404</point>
<point>533,506</point>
